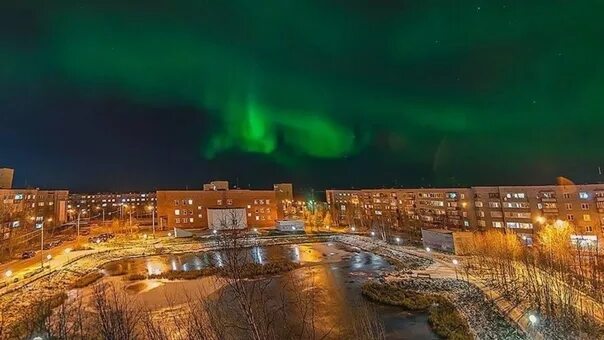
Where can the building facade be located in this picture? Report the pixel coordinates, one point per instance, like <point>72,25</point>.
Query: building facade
<point>189,208</point>
<point>24,212</point>
<point>112,205</point>
<point>6,178</point>
<point>521,209</point>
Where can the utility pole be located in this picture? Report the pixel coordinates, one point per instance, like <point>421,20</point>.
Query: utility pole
<point>42,246</point>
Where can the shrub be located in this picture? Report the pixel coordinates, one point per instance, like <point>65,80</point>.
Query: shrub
<point>136,277</point>
<point>443,317</point>
<point>87,280</point>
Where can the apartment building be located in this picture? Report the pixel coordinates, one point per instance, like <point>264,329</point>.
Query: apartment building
<point>414,208</point>
<point>23,212</point>
<point>521,209</point>
<point>191,208</point>
<point>108,205</point>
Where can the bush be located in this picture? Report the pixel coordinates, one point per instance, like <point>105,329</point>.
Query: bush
<point>136,277</point>
<point>87,280</point>
<point>447,322</point>
<point>250,270</point>
<point>185,275</point>
<point>443,317</point>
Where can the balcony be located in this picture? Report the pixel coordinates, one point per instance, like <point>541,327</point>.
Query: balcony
<point>545,199</point>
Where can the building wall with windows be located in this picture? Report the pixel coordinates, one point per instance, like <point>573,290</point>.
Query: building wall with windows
<point>189,208</point>
<point>23,212</point>
<point>111,204</point>
<point>522,209</point>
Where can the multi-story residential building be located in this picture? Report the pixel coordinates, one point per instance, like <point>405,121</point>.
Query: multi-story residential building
<point>189,208</point>
<point>414,208</point>
<point>6,178</point>
<point>24,212</point>
<point>521,209</point>
<point>111,205</point>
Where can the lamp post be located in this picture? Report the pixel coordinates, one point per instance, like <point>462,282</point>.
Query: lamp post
<point>152,208</point>
<point>455,263</point>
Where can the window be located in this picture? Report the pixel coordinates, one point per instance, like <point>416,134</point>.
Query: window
<point>566,195</point>
<point>478,204</point>
<point>481,213</point>
<point>519,225</point>
<point>249,214</point>
<point>550,206</point>
<point>496,214</point>
<point>199,207</point>
<point>218,202</point>
<point>191,220</point>
<point>588,228</point>
<point>583,195</point>
<point>569,206</point>
<point>494,204</point>
<point>229,202</point>
<point>466,223</point>
<point>257,218</point>
<point>482,223</point>
<point>177,212</point>
<point>176,202</point>
<point>584,206</point>
<point>586,217</point>
<point>190,202</point>
<point>570,217</point>
<point>268,201</point>
<point>177,220</point>
<point>497,224</point>
<point>515,205</point>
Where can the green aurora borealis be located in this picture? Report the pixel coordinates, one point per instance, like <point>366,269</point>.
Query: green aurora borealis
<point>450,86</point>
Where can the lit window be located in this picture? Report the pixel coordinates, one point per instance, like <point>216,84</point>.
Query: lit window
<point>177,220</point>
<point>199,207</point>
<point>583,195</point>
<point>249,214</point>
<point>249,206</point>
<point>257,218</point>
<point>177,212</point>
<point>190,202</point>
<point>497,224</point>
<point>219,202</point>
<point>586,217</point>
<point>268,201</point>
<point>229,202</point>
<point>191,220</point>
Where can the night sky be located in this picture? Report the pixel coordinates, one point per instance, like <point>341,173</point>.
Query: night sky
<point>138,95</point>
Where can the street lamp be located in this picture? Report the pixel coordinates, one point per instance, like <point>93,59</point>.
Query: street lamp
<point>152,208</point>
<point>398,240</point>
<point>373,233</point>
<point>428,249</point>
<point>533,319</point>
<point>455,263</point>
<point>353,229</point>
<point>8,273</point>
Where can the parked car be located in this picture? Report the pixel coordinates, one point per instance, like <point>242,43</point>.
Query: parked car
<point>52,244</point>
<point>85,232</point>
<point>28,254</point>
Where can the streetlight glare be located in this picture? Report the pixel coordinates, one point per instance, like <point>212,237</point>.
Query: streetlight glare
<point>428,249</point>
<point>455,262</point>
<point>8,273</point>
<point>533,319</point>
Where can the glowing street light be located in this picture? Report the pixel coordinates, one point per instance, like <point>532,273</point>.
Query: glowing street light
<point>533,319</point>
<point>428,249</point>
<point>455,263</point>
<point>398,240</point>
<point>8,273</point>
<point>353,229</point>
<point>255,230</point>
<point>373,233</point>
<point>215,231</point>
<point>48,257</point>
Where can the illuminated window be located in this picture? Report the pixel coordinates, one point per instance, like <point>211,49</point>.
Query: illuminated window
<point>190,202</point>
<point>177,220</point>
<point>583,195</point>
<point>268,201</point>
<point>586,217</point>
<point>257,218</point>
<point>219,202</point>
<point>191,220</point>
<point>177,212</point>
